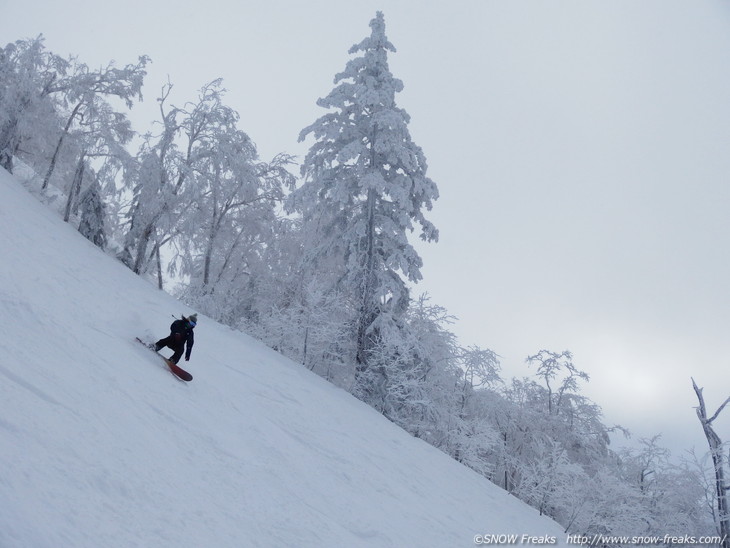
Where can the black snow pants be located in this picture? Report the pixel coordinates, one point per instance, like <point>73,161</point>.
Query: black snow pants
<point>176,342</point>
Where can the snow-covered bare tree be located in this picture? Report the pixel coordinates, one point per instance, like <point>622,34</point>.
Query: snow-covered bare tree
<point>85,98</point>
<point>610,506</point>
<point>544,477</point>
<point>201,187</point>
<point>292,307</point>
<point>156,185</point>
<point>553,366</point>
<point>722,486</point>
<point>100,140</point>
<point>702,469</point>
<point>671,495</point>
<point>365,187</point>
<point>406,361</point>
<point>237,197</point>
<point>30,77</point>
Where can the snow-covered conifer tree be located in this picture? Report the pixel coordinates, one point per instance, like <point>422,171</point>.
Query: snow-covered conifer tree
<point>92,224</point>
<point>365,188</point>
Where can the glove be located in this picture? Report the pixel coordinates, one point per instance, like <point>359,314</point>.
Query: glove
<point>187,358</point>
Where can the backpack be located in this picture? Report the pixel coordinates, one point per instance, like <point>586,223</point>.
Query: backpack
<point>179,326</point>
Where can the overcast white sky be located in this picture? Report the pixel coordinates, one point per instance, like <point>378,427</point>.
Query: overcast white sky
<point>581,149</point>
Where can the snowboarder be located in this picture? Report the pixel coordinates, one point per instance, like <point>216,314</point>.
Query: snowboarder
<point>181,332</point>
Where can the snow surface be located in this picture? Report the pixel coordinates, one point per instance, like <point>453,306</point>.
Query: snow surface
<point>100,446</point>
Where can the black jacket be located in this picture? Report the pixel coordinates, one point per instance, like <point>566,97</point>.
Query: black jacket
<point>184,332</point>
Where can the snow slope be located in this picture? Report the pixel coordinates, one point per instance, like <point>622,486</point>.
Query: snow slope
<point>100,446</point>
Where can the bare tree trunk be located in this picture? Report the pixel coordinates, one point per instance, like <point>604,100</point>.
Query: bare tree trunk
<point>54,158</point>
<point>8,144</point>
<point>718,460</point>
<point>304,350</point>
<point>141,251</point>
<point>159,267</point>
<point>208,257</point>
<point>75,186</point>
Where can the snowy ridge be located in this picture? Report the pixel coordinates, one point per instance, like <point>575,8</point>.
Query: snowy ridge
<point>100,446</point>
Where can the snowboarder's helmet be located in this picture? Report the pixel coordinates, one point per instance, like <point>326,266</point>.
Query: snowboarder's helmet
<point>193,319</point>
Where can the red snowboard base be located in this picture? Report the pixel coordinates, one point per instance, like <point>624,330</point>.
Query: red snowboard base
<point>177,370</point>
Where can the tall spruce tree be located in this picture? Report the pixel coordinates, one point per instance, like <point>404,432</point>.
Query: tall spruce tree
<point>365,187</point>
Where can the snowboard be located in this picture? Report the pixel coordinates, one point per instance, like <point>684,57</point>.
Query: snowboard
<point>175,369</point>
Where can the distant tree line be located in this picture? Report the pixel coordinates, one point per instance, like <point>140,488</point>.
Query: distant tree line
<point>321,268</point>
